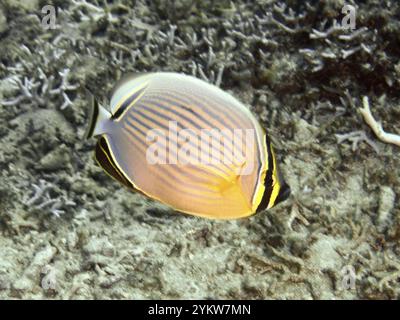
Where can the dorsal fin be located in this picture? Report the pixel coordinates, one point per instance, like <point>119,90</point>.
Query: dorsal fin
<point>123,90</point>
<point>128,77</point>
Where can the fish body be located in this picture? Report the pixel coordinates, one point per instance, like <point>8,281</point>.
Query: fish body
<point>188,144</point>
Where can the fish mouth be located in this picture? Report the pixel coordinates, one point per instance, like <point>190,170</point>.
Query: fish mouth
<point>284,193</point>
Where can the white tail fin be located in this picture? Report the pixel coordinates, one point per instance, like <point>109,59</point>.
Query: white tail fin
<point>98,117</point>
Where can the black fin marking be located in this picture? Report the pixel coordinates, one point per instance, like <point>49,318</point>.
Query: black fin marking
<point>94,113</point>
<point>126,103</point>
<point>105,160</point>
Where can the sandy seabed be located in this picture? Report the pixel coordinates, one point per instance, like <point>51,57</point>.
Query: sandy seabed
<point>67,231</point>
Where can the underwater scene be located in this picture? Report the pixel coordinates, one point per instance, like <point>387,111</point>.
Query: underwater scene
<point>198,149</point>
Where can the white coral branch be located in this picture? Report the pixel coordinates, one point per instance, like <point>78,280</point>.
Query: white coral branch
<point>41,200</point>
<point>377,126</point>
<point>356,137</point>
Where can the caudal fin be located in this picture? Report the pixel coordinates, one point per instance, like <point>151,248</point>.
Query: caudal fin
<point>98,115</point>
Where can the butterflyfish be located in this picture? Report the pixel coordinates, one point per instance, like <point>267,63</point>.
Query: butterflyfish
<point>188,144</point>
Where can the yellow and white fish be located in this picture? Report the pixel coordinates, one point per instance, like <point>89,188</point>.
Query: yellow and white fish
<point>188,144</point>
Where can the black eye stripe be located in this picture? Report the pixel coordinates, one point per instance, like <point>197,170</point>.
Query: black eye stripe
<point>268,179</point>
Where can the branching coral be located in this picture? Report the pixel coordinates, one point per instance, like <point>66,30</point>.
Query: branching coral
<point>41,200</point>
<point>42,90</point>
<point>355,138</point>
<point>289,60</point>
